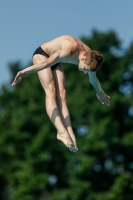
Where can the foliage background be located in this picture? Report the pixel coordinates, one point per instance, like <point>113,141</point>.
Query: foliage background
<point>34,165</point>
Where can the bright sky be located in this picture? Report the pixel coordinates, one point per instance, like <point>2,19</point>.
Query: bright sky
<point>24,25</point>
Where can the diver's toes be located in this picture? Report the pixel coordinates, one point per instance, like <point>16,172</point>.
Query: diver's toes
<point>72,148</point>
<point>75,150</point>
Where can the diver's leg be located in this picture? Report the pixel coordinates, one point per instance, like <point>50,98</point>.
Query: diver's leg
<point>47,81</point>
<point>61,101</point>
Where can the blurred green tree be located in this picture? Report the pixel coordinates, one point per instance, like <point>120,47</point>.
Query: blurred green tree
<point>34,165</point>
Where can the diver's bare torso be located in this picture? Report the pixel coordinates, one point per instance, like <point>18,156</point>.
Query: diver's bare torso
<point>65,42</point>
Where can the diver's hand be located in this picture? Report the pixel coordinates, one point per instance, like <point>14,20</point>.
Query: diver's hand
<point>18,78</point>
<point>103,98</point>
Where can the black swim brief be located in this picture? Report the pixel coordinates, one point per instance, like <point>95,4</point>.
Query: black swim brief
<point>40,51</point>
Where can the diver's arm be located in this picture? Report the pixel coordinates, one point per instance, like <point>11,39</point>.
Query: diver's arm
<point>52,60</point>
<point>94,81</point>
<point>57,57</point>
<point>101,96</point>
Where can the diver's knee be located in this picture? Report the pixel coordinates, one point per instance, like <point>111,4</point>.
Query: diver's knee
<point>62,94</point>
<point>51,92</point>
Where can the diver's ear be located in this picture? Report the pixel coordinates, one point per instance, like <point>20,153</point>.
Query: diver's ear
<point>83,58</point>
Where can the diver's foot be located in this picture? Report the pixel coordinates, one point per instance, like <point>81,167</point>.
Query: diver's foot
<point>66,139</point>
<point>74,141</point>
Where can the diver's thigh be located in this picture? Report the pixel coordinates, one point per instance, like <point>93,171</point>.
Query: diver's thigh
<point>59,77</point>
<point>45,75</point>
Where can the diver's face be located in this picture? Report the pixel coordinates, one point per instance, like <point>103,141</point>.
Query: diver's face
<point>83,67</point>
